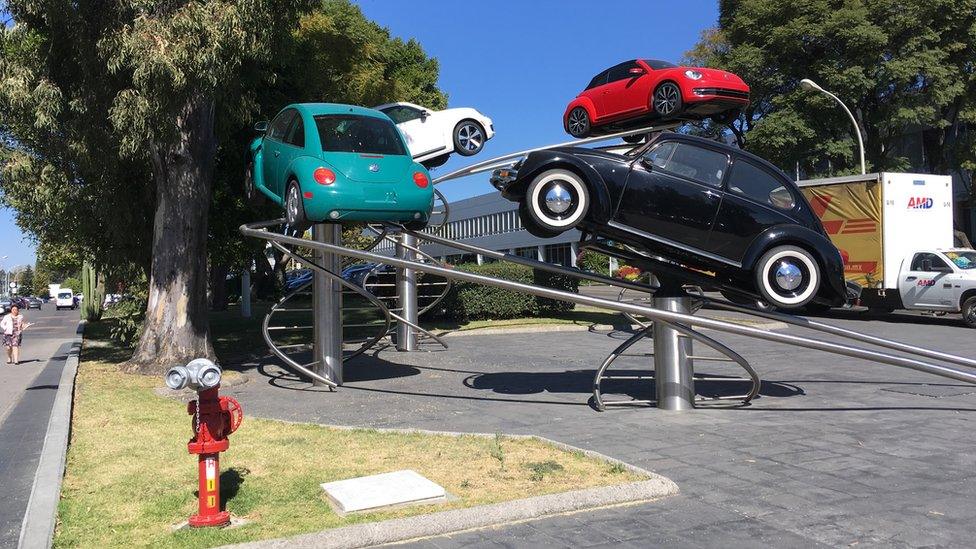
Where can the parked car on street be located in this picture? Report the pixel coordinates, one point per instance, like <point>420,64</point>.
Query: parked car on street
<point>634,92</point>
<point>20,302</point>
<point>34,302</point>
<point>296,278</point>
<point>65,299</point>
<point>433,135</point>
<point>4,306</point>
<point>326,162</point>
<point>700,203</point>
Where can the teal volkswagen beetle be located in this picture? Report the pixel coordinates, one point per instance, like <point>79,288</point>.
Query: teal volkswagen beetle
<point>325,162</point>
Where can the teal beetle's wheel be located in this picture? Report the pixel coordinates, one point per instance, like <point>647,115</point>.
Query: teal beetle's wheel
<point>251,193</point>
<point>295,208</point>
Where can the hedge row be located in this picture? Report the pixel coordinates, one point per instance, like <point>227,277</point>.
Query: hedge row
<point>469,301</point>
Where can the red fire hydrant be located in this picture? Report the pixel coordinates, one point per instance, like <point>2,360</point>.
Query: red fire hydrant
<point>214,418</point>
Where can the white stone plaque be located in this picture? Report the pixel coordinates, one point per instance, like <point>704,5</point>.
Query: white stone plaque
<point>384,490</point>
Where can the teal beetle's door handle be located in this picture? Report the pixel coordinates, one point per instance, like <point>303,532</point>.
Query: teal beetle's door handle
<point>277,154</point>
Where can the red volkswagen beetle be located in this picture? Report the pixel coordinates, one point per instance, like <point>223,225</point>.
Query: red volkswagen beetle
<point>628,94</point>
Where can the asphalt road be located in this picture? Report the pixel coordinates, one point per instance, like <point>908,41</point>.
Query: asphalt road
<point>835,451</point>
<point>27,393</point>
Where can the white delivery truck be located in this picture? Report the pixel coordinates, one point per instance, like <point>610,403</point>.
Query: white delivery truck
<point>894,231</point>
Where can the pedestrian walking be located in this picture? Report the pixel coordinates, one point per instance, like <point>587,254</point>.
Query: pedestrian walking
<point>13,326</point>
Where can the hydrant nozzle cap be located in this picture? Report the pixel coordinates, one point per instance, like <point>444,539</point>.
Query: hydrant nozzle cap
<point>177,377</point>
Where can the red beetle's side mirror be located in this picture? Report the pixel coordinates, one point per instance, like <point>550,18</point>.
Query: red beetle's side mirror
<point>636,71</point>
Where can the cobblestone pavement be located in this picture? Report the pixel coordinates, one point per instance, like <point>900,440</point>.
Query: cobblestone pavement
<point>836,451</point>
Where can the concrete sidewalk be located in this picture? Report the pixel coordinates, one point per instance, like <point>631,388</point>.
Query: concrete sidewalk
<point>27,394</point>
<point>835,451</point>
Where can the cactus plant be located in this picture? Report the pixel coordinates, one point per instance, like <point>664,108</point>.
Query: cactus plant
<point>91,306</point>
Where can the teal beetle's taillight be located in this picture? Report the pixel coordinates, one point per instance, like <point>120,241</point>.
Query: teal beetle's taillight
<point>323,176</point>
<point>421,180</point>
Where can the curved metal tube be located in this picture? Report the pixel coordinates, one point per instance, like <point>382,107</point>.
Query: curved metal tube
<point>804,322</point>
<point>369,296</point>
<point>689,332</point>
<point>257,230</point>
<point>500,161</point>
<point>734,356</point>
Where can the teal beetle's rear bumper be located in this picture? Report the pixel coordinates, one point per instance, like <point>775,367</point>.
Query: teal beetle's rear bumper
<point>370,202</point>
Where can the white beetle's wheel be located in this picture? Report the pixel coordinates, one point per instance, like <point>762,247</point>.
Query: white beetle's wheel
<point>788,277</point>
<point>557,200</point>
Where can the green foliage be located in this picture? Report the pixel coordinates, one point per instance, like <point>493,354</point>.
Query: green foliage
<point>73,283</point>
<point>594,262</point>
<point>91,307</point>
<point>25,281</point>
<point>899,66</point>
<point>128,315</point>
<point>469,301</point>
<point>542,468</point>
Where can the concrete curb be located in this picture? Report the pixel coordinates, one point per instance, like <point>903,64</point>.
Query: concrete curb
<point>483,516</point>
<point>37,530</point>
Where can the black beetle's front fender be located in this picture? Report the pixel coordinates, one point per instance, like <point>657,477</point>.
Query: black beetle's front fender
<point>827,255</point>
<point>540,161</point>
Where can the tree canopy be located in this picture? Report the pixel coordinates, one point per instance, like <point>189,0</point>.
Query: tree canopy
<point>900,67</point>
<point>123,128</point>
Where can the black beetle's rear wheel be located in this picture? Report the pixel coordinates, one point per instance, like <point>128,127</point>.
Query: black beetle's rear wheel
<point>787,277</point>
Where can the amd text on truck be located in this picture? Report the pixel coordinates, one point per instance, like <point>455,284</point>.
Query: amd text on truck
<point>895,233</point>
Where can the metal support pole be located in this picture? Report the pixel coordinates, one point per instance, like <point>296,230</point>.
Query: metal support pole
<point>406,281</point>
<point>673,370</point>
<point>327,304</point>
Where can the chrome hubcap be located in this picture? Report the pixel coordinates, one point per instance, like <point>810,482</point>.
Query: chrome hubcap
<point>558,199</point>
<point>666,99</point>
<point>292,206</point>
<point>470,137</point>
<point>788,276</point>
<point>577,121</point>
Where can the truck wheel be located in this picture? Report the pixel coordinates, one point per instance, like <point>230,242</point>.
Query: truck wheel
<point>787,277</point>
<point>969,312</point>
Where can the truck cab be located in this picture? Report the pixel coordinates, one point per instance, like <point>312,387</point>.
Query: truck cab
<point>940,280</point>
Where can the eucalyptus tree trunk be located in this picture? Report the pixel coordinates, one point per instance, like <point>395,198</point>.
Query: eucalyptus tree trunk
<point>176,325</point>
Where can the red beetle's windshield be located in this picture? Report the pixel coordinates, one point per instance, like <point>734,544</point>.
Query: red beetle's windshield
<point>658,65</point>
<point>358,134</point>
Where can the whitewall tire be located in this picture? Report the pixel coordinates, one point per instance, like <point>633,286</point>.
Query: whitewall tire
<point>557,200</point>
<point>787,277</point>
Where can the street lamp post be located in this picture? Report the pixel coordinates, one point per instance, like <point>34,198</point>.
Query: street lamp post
<point>808,84</point>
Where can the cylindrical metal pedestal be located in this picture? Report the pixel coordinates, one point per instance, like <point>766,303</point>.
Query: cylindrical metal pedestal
<point>673,370</point>
<point>406,281</point>
<point>327,305</point>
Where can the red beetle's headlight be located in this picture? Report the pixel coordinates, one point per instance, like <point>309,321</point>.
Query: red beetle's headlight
<point>421,180</point>
<point>323,176</point>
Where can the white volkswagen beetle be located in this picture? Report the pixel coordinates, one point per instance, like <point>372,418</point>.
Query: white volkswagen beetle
<point>433,135</point>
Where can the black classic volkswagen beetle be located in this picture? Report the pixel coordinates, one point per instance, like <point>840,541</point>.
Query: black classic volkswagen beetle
<point>694,201</point>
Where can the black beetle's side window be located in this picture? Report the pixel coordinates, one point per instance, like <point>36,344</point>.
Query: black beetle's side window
<point>702,165</point>
<point>756,183</point>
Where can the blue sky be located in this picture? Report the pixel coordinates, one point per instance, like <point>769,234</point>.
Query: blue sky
<point>519,62</point>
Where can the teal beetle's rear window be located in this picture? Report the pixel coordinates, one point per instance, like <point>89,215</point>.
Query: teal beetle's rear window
<point>358,134</point>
